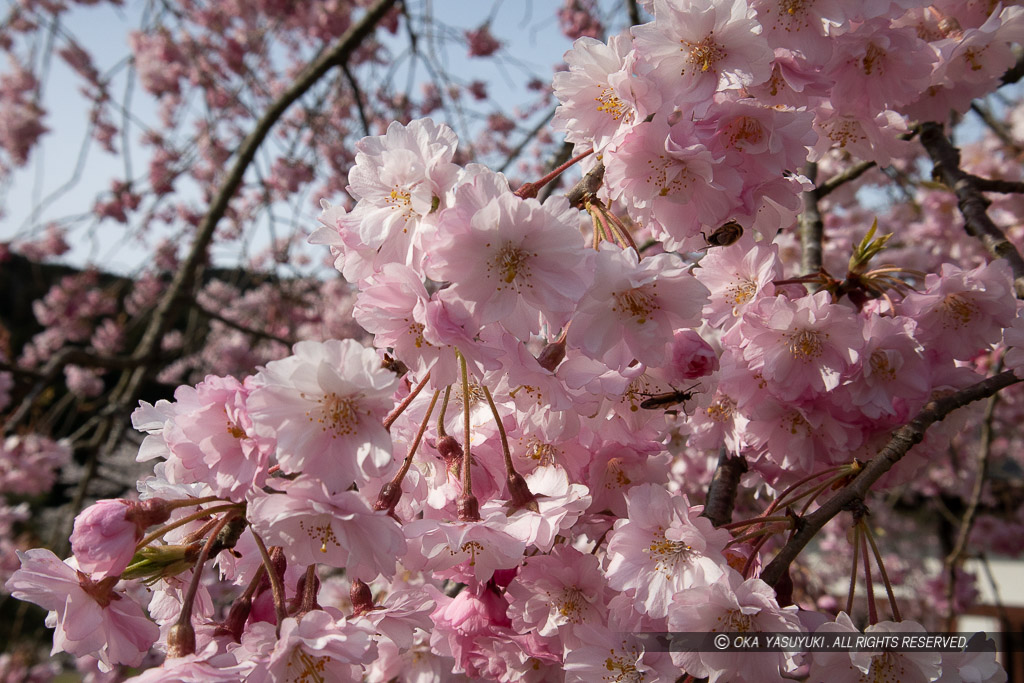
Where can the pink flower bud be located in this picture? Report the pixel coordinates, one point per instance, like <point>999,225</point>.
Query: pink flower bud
<point>692,357</point>
<point>104,538</point>
<point>362,598</point>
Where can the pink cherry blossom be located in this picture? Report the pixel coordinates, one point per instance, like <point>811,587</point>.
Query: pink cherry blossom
<point>506,261</point>
<point>105,533</point>
<point>661,548</point>
<point>839,667</point>
<point>600,73</point>
<point>91,618</point>
<point>721,46</point>
<point>473,628</point>
<point>960,312</point>
<point>610,653</point>
<point>324,405</point>
<point>559,504</point>
<point>1013,338</point>
<point>339,529</point>
<point>667,174</point>
<point>731,604</point>
<point>801,347</point>
<point>317,646</point>
<point>893,371</point>
<point>554,594</point>
<point>633,307</point>
<point>737,276</point>
<point>473,549</point>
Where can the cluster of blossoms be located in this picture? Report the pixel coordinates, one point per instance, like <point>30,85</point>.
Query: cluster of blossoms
<point>496,488</point>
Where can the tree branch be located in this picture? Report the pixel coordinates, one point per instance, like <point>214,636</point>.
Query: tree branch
<point>724,484</point>
<point>812,228</point>
<point>973,204</point>
<point>840,179</point>
<point>586,186</point>
<point>901,442</point>
<point>996,185</point>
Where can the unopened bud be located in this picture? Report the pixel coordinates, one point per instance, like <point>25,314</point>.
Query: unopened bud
<point>469,508</point>
<point>527,191</point>
<point>280,564</point>
<point>362,598</point>
<point>451,453</point>
<point>181,640</point>
<point>551,355</point>
<point>306,593</point>
<point>234,624</point>
<point>387,499</point>
<point>522,497</point>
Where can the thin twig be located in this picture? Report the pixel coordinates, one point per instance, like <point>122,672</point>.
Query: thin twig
<point>840,179</point>
<point>242,328</point>
<point>955,557</point>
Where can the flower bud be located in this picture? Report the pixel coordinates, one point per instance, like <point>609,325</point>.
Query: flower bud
<point>451,453</point>
<point>362,598</point>
<point>551,355</point>
<point>469,508</point>
<point>234,624</point>
<point>520,493</point>
<point>387,499</point>
<point>181,640</point>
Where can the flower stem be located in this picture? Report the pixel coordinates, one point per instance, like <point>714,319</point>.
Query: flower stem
<point>885,575</point>
<point>400,475</point>
<point>782,496</point>
<point>530,189</point>
<point>467,479</point>
<point>853,573</point>
<point>868,585</point>
<point>185,617</point>
<point>206,512</point>
<point>441,432</point>
<point>400,408</point>
<point>276,587</point>
<point>510,468</point>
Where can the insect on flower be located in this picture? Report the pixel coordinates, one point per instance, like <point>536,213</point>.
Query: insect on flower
<point>725,234</point>
<point>669,398</point>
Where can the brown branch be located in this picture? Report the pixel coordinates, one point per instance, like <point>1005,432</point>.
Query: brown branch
<point>812,227</point>
<point>357,95</point>
<point>634,12</point>
<point>973,205</point>
<point>242,328</point>
<point>996,185</point>
<point>69,355</point>
<point>336,55</point>
<point>840,179</point>
<point>997,127</point>
<point>722,490</point>
<point>527,139</point>
<point>586,186</point>
<point>1015,72</point>
<point>902,440</point>
<point>953,560</point>
<point>109,433</point>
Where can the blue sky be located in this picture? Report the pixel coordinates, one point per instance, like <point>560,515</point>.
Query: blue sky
<point>534,42</point>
